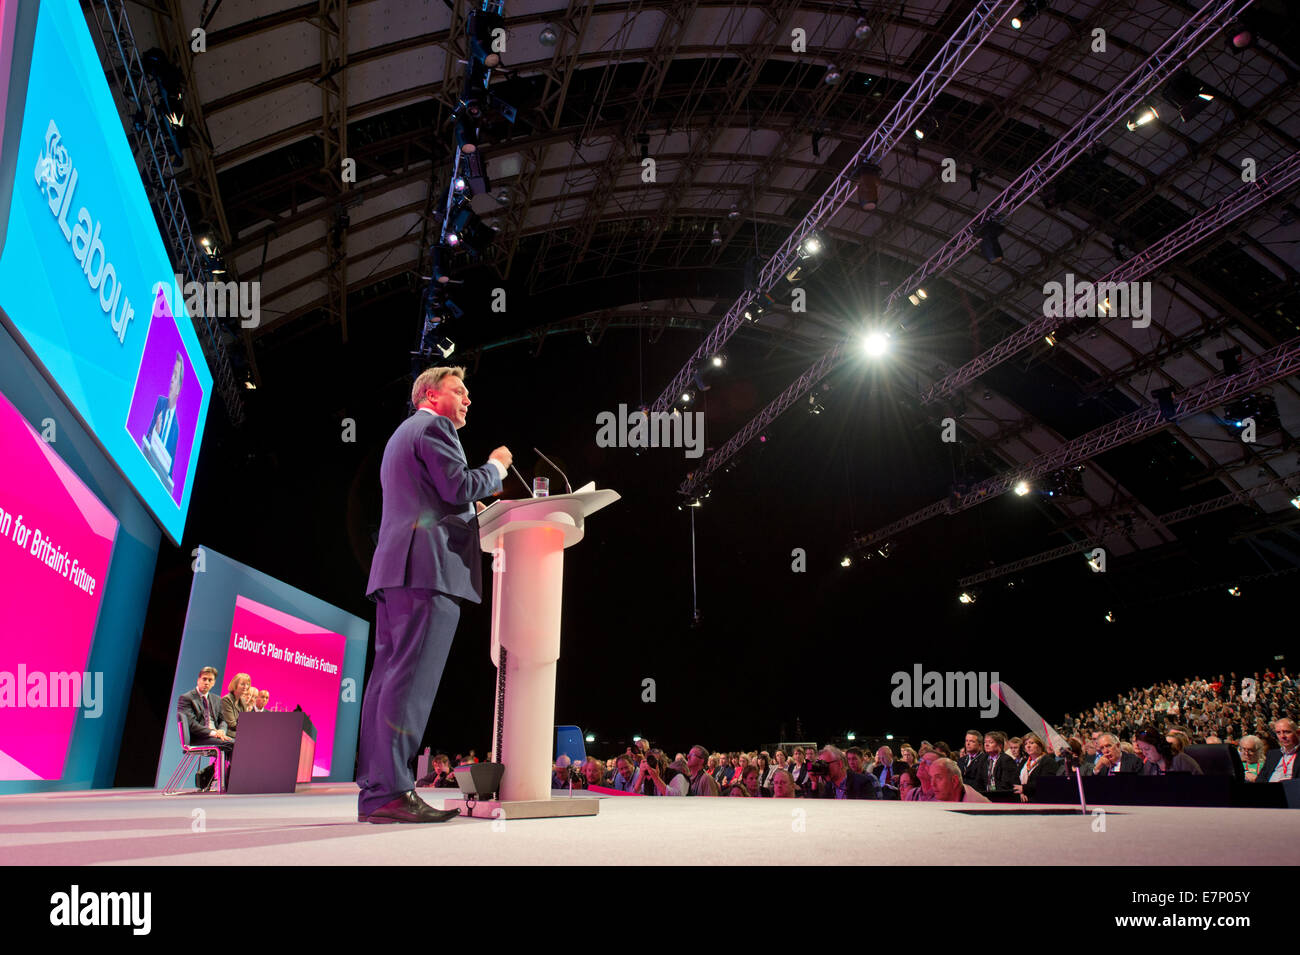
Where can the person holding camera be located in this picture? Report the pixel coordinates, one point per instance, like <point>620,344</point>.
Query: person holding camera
<point>833,780</point>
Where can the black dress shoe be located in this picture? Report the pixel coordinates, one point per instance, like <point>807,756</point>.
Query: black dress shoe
<point>203,778</point>
<point>408,807</point>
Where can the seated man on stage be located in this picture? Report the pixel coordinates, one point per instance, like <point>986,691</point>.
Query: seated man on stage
<point>203,722</point>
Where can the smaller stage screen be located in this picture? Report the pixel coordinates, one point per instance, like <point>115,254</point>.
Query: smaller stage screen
<point>298,663</point>
<point>56,542</point>
<point>303,652</point>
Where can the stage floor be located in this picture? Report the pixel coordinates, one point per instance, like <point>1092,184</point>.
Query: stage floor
<point>317,826</point>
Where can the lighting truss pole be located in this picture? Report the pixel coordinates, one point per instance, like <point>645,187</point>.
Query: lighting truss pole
<point>1161,64</point>
<point>1273,365</point>
<point>1173,517</point>
<point>960,47</point>
<point>148,142</point>
<point>1250,196</point>
<point>1199,29</point>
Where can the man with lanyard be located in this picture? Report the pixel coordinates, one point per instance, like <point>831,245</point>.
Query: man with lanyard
<point>1280,764</point>
<point>697,769</point>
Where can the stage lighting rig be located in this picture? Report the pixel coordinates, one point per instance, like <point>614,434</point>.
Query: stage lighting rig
<point>485,29</point>
<point>868,178</point>
<point>1030,10</point>
<point>465,230</point>
<point>1143,116</point>
<point>990,247</point>
<point>1187,95</point>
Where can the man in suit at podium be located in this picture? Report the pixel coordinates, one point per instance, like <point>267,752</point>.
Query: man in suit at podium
<point>427,562</point>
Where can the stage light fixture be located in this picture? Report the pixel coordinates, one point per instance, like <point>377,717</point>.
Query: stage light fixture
<point>1231,359</point>
<point>928,126</point>
<point>733,212</point>
<point>441,264</point>
<point>1110,616</point>
<point>480,28</point>
<point>815,407</point>
<point>549,36</point>
<point>688,396</point>
<point>990,247</point>
<point>917,297</point>
<point>503,197</point>
<point>1187,94</point>
<point>1051,340</point>
<point>1165,398</point>
<point>1234,591</point>
<point>966,597</point>
<point>1239,39</point>
<point>466,135</point>
<point>875,343</point>
<point>1141,117</point>
<point>1295,502</point>
<point>1022,488</point>
<point>850,736</point>
<point>1030,10</point>
<point>846,561</point>
<point>811,245</point>
<point>716,238</point>
<point>862,30</point>
<point>832,75</point>
<point>464,227</point>
<point>459,185</point>
<point>868,176</point>
<point>718,360</point>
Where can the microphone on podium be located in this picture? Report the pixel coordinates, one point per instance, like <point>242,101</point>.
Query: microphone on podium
<point>567,488</point>
<point>528,487</point>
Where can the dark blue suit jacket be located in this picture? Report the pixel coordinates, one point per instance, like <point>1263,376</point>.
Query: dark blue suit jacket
<point>428,535</point>
<point>189,706</point>
<point>159,414</point>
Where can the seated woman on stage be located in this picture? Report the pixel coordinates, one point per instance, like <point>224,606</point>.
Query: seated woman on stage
<point>1159,758</point>
<point>232,704</point>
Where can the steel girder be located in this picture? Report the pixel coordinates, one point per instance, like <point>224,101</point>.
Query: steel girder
<point>332,21</point>
<point>1169,57</point>
<point>1265,368</point>
<point>149,146</point>
<point>960,47</point>
<point>753,56</point>
<point>1276,181</point>
<point>1173,517</point>
<point>653,75</point>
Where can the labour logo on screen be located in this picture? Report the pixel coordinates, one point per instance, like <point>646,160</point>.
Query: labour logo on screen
<point>57,178</point>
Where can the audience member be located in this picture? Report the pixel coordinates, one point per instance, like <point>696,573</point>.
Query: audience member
<point>946,780</point>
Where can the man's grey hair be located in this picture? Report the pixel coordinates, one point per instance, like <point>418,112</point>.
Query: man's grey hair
<point>1114,740</point>
<point>431,379</point>
<point>703,751</point>
<point>835,752</point>
<point>947,765</point>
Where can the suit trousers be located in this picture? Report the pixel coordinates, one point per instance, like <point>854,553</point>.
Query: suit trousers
<point>413,633</point>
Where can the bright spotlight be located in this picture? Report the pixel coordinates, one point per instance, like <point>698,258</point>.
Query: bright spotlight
<point>846,561</point>
<point>875,344</point>
<point>966,597</point>
<point>917,297</point>
<point>1145,115</point>
<point>591,737</point>
<point>1022,488</point>
<point>1234,591</point>
<point>718,361</point>
<point>811,245</point>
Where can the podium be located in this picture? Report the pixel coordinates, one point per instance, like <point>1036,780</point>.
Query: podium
<point>526,539</point>
<point>270,751</point>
